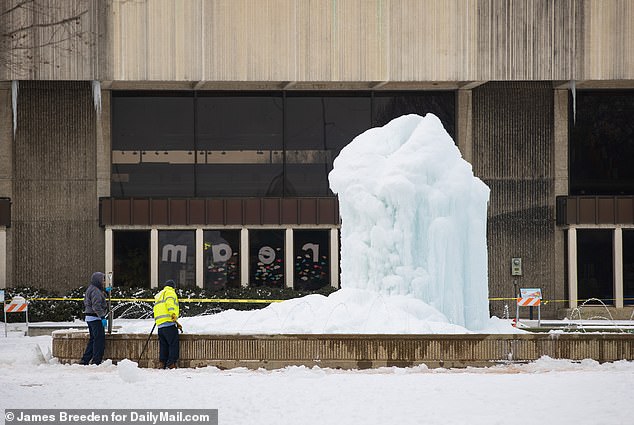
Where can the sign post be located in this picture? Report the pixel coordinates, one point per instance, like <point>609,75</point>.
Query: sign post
<point>18,304</point>
<point>529,297</point>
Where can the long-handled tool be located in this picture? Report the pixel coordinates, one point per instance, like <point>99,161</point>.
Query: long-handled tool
<point>147,342</point>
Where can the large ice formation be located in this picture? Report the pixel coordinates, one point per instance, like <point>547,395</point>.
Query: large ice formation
<point>414,218</point>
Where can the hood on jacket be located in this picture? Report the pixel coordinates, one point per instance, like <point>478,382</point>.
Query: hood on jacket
<point>97,279</point>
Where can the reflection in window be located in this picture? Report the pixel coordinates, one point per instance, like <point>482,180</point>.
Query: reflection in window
<point>602,143</point>
<point>266,254</point>
<point>628,267</point>
<point>595,275</point>
<point>177,257</point>
<point>131,258</point>
<point>312,265</point>
<point>222,259</point>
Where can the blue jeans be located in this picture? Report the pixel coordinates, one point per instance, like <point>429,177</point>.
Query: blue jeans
<point>96,344</point>
<point>168,345</point>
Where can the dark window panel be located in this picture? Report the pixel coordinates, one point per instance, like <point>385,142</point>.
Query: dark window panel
<point>311,259</point>
<point>177,257</point>
<point>602,143</point>
<point>307,180</point>
<point>152,180</point>
<point>131,258</point>
<point>387,106</point>
<point>152,123</point>
<point>595,275</point>
<point>233,180</point>
<point>326,122</point>
<point>266,254</point>
<point>222,259</point>
<point>239,122</point>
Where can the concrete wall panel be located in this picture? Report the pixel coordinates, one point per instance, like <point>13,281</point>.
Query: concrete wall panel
<point>55,206</point>
<point>513,152</point>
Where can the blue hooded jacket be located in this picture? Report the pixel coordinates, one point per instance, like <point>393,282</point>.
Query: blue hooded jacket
<point>95,299</point>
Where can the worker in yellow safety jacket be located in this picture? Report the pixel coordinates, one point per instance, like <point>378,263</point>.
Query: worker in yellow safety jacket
<point>166,318</point>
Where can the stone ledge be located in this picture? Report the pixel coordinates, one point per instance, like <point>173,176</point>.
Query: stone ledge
<point>355,351</point>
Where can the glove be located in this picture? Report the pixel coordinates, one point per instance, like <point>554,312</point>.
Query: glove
<point>180,328</point>
<point>173,317</point>
<point>108,289</point>
<point>104,322</point>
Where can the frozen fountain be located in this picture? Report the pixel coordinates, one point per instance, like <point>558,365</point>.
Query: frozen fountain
<point>413,276</point>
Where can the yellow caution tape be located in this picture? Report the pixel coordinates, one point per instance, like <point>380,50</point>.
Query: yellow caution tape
<point>247,301</point>
<point>184,300</point>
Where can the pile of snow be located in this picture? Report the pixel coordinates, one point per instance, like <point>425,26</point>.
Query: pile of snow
<point>129,371</point>
<point>14,353</point>
<point>413,245</point>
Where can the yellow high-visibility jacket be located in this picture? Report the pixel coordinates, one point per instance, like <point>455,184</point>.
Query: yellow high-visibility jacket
<point>165,305</point>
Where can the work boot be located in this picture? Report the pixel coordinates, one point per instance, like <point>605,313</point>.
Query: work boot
<point>161,365</point>
<point>172,366</point>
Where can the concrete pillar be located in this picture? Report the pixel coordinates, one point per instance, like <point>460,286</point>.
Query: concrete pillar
<point>560,110</point>
<point>572,267</point>
<point>618,267</point>
<point>289,260</point>
<point>200,260</point>
<point>244,257</point>
<point>334,258</point>
<point>103,146</point>
<point>464,116</point>
<point>154,258</point>
<point>108,251</point>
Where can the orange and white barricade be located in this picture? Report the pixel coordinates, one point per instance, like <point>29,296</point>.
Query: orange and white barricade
<point>530,297</point>
<point>16,305</point>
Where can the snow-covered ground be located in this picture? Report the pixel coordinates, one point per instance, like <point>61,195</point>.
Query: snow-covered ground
<point>548,391</point>
<point>415,264</point>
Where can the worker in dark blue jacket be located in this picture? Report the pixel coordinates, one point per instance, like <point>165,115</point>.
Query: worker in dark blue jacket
<point>95,310</point>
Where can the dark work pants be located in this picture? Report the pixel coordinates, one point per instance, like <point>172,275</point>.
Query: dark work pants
<point>96,343</point>
<point>168,345</point>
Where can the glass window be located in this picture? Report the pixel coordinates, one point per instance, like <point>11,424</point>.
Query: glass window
<point>240,122</point>
<point>602,143</point>
<point>312,263</point>
<point>222,259</point>
<point>242,136</point>
<point>131,255</point>
<point>390,105</point>
<point>246,144</point>
<point>143,180</point>
<point>595,275</point>
<point>226,180</point>
<point>145,121</point>
<point>153,144</point>
<point>628,267</point>
<point>317,127</point>
<point>266,255</point>
<point>177,257</point>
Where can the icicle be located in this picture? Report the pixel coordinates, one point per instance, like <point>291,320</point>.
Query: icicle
<point>96,95</point>
<point>14,104</point>
<point>573,88</point>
